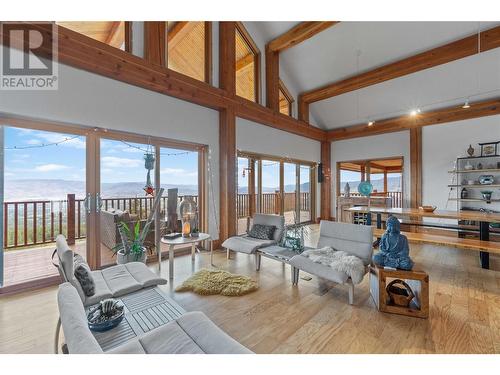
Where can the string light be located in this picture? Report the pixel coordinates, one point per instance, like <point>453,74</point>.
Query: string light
<point>41,145</point>
<point>466,104</point>
<point>370,123</point>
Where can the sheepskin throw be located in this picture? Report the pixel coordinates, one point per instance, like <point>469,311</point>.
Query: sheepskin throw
<point>339,261</point>
<point>208,282</point>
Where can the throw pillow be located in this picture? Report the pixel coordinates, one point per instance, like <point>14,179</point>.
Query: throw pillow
<point>84,275</point>
<point>262,232</point>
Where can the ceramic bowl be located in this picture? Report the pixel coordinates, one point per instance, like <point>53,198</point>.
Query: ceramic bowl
<point>428,208</point>
<point>486,195</point>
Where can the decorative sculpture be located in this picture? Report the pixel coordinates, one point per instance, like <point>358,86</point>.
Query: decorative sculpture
<point>394,250</point>
<point>149,164</point>
<point>347,190</point>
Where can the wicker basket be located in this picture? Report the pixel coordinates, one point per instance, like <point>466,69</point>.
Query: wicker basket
<point>400,293</point>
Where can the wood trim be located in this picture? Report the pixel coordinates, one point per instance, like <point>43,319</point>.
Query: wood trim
<point>459,49</point>
<point>439,116</point>
<point>302,109</point>
<point>111,38</point>
<point>259,156</point>
<point>256,54</point>
<point>178,32</point>
<point>128,37</point>
<point>326,189</point>
<point>298,34</point>
<point>288,96</point>
<point>154,42</point>
<point>415,167</point>
<point>208,53</point>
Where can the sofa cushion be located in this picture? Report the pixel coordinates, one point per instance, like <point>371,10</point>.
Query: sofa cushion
<point>245,244</point>
<point>210,338</point>
<point>320,270</point>
<point>102,290</point>
<point>130,347</point>
<point>276,220</point>
<point>120,281</point>
<point>262,232</point>
<point>169,339</point>
<point>65,255</point>
<point>77,334</point>
<point>144,275</point>
<point>352,238</point>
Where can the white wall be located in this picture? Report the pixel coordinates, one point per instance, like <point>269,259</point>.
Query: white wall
<point>87,99</point>
<point>442,144</point>
<point>254,137</point>
<point>376,146</point>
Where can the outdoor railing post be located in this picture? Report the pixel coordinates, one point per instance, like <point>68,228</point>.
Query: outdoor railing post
<point>70,217</point>
<point>277,203</point>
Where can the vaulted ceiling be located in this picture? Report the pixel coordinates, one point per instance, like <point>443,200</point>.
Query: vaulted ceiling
<point>350,48</point>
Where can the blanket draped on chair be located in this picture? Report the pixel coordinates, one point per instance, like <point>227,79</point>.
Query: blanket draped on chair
<point>339,261</point>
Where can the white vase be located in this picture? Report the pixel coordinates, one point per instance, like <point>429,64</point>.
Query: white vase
<point>122,258</point>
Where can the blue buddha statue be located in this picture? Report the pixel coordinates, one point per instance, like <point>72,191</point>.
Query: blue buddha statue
<point>394,251</point>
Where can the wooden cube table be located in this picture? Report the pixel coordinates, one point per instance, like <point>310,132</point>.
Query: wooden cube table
<point>418,281</point>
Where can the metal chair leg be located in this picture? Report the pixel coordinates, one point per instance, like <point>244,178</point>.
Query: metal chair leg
<point>228,253</point>
<point>257,261</point>
<point>56,341</point>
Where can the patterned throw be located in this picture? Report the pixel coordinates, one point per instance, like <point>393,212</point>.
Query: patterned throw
<point>209,282</point>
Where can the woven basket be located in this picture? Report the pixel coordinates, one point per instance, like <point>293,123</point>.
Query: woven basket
<point>400,293</point>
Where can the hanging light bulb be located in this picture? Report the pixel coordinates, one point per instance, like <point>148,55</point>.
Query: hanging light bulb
<point>466,104</point>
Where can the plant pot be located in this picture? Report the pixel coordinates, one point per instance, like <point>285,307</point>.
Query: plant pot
<point>122,258</point>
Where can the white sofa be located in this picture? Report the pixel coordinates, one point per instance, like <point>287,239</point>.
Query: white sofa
<point>192,333</point>
<point>352,238</point>
<point>249,245</point>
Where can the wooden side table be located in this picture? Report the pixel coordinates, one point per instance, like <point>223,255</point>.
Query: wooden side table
<point>418,281</point>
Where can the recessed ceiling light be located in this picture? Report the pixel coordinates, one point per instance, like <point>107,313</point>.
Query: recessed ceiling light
<point>466,104</point>
<point>370,123</point>
<point>415,112</point>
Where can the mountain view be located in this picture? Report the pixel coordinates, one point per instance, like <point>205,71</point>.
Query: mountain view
<point>393,184</point>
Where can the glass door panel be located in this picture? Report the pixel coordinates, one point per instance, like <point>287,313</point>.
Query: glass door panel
<point>45,187</point>
<point>271,196</point>
<point>123,182</point>
<point>305,194</point>
<point>243,194</point>
<point>290,193</point>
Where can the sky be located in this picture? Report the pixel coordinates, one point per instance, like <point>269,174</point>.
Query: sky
<point>119,161</point>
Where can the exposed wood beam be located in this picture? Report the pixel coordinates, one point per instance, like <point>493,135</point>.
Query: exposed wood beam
<point>459,49</point>
<point>227,57</point>
<point>154,42</point>
<point>298,34</point>
<point>245,61</point>
<point>178,32</point>
<point>272,79</point>
<point>439,116</point>
<point>326,185</point>
<point>303,109</point>
<point>415,167</point>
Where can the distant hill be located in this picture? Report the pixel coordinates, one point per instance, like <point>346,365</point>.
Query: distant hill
<point>33,189</point>
<point>304,188</point>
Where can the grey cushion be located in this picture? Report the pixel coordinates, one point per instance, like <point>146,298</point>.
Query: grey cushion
<point>77,334</point>
<point>320,270</point>
<point>277,220</point>
<point>84,275</point>
<point>262,232</point>
<point>120,281</point>
<point>245,244</point>
<point>65,255</point>
<point>353,239</point>
<point>101,288</point>
<point>144,275</point>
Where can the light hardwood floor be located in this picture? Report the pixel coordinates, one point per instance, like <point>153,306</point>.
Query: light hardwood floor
<point>280,318</point>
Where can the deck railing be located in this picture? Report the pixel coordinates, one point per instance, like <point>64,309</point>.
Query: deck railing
<point>396,197</point>
<point>271,203</point>
<point>28,223</point>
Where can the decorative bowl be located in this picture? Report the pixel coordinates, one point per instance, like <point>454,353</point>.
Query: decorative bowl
<point>99,321</point>
<point>428,208</point>
<point>365,188</point>
<point>486,179</point>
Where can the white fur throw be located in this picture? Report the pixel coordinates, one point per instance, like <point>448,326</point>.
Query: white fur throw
<point>339,261</point>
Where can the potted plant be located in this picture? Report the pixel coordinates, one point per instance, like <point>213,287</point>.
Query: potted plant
<point>131,248</point>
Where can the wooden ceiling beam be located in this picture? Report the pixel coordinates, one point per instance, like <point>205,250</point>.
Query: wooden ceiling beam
<point>114,36</point>
<point>439,116</point>
<point>298,34</point>
<point>459,49</point>
<point>178,32</point>
<point>245,61</point>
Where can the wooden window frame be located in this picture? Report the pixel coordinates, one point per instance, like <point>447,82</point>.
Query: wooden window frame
<point>288,96</point>
<point>241,29</point>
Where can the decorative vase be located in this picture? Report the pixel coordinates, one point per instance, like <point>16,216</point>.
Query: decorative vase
<point>464,193</point>
<point>468,166</point>
<point>487,196</point>
<point>470,151</point>
<point>121,258</point>
<point>486,179</point>
<point>479,166</point>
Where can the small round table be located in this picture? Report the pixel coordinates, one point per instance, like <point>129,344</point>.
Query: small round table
<point>181,241</point>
